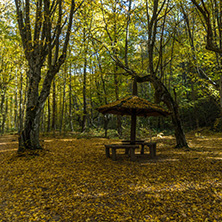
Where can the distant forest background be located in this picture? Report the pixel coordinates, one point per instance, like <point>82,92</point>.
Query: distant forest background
<point>110,41</point>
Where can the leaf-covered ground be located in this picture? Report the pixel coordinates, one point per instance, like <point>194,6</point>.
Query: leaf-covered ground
<point>73,181</point>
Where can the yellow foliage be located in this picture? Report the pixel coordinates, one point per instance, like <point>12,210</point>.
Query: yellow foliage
<point>72,180</point>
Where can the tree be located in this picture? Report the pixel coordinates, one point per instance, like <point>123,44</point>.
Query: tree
<point>210,14</point>
<point>156,23</point>
<point>10,58</point>
<point>154,19</point>
<point>45,28</point>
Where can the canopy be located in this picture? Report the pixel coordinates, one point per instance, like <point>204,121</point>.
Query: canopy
<point>133,105</point>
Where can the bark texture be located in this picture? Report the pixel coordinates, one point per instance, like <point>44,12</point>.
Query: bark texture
<point>162,94</point>
<point>41,42</point>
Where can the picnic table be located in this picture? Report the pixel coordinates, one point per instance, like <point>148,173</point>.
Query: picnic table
<point>130,147</point>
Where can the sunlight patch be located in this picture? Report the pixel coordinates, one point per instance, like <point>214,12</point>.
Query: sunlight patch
<point>1,144</point>
<point>216,158</point>
<point>169,159</point>
<point>1,151</point>
<point>176,187</point>
<point>67,140</point>
<point>48,141</point>
<point>159,160</point>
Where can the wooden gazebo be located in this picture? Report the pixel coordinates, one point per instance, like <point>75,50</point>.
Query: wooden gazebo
<point>133,106</point>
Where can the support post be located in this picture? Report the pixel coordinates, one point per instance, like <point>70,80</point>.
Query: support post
<point>113,154</point>
<point>133,127</point>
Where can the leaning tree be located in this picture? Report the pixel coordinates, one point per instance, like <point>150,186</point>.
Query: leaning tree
<point>210,15</point>
<point>155,14</point>
<point>45,27</point>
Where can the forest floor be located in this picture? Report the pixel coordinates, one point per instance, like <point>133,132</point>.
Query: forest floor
<point>74,181</point>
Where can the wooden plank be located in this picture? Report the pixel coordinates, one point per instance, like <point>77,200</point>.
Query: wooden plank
<point>128,148</point>
<point>130,142</point>
<point>107,152</point>
<point>123,146</point>
<point>132,154</point>
<point>152,148</point>
<point>133,127</point>
<point>113,153</point>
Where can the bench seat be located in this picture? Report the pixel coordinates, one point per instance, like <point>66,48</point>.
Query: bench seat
<point>152,147</point>
<point>130,149</point>
<point>142,143</point>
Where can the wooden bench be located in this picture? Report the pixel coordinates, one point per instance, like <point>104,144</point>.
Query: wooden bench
<point>129,149</point>
<point>151,145</point>
<point>136,141</point>
<point>152,148</point>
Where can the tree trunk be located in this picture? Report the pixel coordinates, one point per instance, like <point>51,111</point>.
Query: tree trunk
<point>106,122</point>
<point>221,94</point>
<point>29,137</point>
<point>16,103</point>
<point>116,81</point>
<point>54,108</point>
<point>84,96</point>
<point>49,116</point>
<point>62,100</point>
<point>70,100</point>
<point>2,110</point>
<point>4,116</point>
<point>162,94</point>
<point>119,118</point>
<point>84,81</point>
<point>193,93</point>
<point>20,104</point>
<point>42,122</point>
<point>179,134</point>
<point>106,118</point>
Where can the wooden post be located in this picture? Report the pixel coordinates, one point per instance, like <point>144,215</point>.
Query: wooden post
<point>133,116</point>
<point>142,149</point>
<point>152,150</point>
<point>107,152</point>
<point>134,87</point>
<point>133,127</point>
<point>132,154</point>
<point>113,154</point>
<point>221,95</point>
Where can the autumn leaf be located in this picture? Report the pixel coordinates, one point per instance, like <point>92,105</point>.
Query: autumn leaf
<point>74,181</point>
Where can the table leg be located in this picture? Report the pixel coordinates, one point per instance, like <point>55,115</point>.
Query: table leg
<point>113,154</point>
<point>107,152</point>
<point>152,150</point>
<point>142,149</point>
<point>132,154</point>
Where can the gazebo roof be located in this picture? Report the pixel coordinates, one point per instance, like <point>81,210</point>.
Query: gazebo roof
<point>130,104</point>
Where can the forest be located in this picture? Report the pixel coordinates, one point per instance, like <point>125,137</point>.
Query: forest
<point>112,42</point>
<point>62,60</point>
